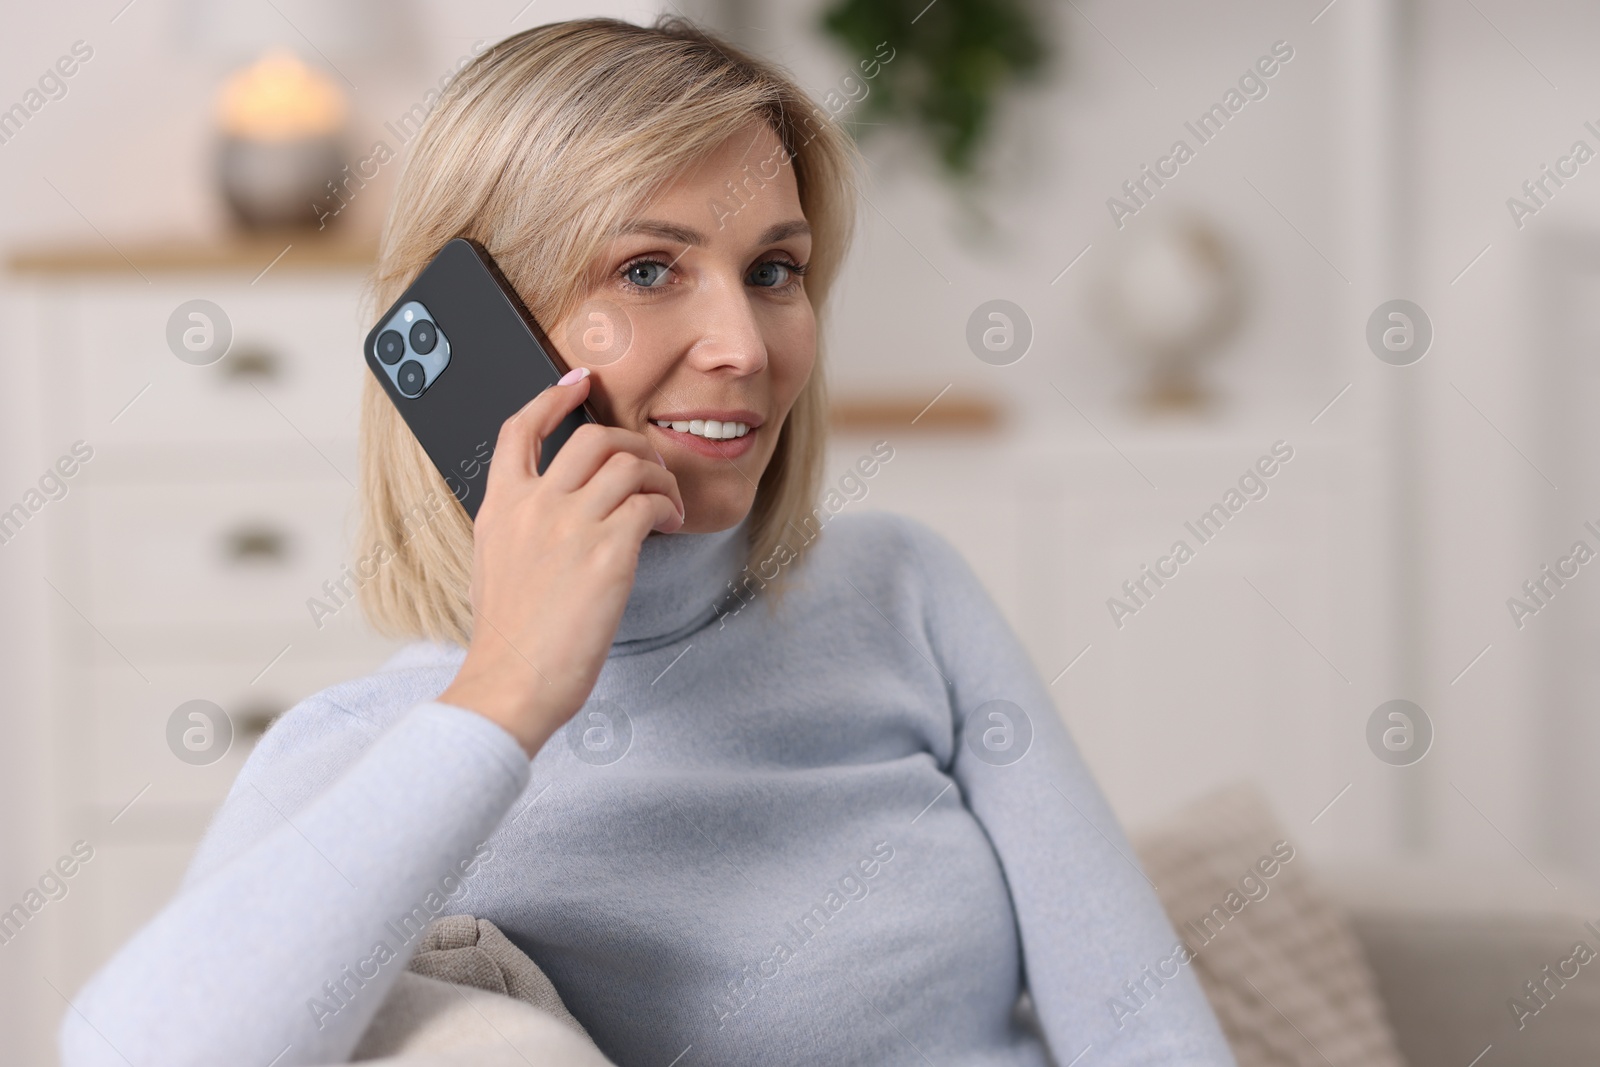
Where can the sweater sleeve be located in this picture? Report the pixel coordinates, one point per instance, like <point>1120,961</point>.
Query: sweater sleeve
<point>1088,918</point>
<point>328,838</point>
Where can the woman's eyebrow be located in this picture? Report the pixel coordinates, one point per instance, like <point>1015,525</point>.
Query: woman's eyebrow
<point>780,231</point>
<point>686,235</point>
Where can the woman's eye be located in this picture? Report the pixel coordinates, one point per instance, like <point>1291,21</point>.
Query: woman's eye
<point>773,273</point>
<point>644,273</point>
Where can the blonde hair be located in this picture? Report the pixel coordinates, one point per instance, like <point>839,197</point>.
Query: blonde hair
<point>539,148</point>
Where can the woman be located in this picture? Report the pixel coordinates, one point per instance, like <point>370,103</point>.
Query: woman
<point>841,825</point>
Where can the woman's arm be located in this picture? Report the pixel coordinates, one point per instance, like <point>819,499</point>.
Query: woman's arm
<point>1090,922</point>
<point>291,895</point>
<point>289,928</point>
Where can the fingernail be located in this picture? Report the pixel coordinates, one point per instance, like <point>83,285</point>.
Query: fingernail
<point>659,459</point>
<point>577,374</point>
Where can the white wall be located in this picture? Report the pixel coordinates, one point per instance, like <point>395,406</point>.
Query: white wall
<point>1489,119</point>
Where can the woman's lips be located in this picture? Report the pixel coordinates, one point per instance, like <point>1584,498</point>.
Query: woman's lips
<point>727,448</point>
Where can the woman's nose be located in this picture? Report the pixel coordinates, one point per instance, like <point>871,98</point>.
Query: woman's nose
<point>728,330</point>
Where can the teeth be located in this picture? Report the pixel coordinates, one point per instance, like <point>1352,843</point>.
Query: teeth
<point>707,428</point>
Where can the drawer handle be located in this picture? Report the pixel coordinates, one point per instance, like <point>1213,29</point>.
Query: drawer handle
<point>254,363</point>
<point>257,543</point>
<point>254,720</point>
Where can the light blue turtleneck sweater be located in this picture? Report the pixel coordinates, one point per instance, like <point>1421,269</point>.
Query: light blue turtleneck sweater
<point>799,838</point>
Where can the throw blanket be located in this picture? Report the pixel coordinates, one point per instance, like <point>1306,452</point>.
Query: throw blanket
<point>471,997</point>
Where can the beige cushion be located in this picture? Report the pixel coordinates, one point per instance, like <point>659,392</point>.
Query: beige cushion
<point>468,951</point>
<point>1281,967</point>
<point>471,997</point>
<point>428,1023</point>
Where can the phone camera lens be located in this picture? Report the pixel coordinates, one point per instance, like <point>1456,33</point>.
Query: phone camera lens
<point>423,336</point>
<point>391,346</point>
<point>411,378</point>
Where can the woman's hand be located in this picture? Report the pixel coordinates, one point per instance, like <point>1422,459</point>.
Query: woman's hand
<point>553,562</point>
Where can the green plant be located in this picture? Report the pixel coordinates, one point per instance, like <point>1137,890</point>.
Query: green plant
<point>953,60</point>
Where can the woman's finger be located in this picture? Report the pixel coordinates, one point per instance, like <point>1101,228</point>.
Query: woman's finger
<point>623,475</point>
<point>522,435</point>
<point>588,449</point>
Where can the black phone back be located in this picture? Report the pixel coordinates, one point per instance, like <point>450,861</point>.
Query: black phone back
<point>458,354</point>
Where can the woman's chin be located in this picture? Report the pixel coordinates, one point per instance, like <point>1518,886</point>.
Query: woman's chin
<point>710,518</point>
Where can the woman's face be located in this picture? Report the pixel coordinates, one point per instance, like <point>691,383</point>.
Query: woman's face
<point>703,290</point>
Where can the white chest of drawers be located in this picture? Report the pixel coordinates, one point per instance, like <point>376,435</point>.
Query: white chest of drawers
<point>176,565</point>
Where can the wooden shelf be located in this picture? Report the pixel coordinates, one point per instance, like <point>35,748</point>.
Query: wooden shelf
<point>867,414</point>
<point>306,250</point>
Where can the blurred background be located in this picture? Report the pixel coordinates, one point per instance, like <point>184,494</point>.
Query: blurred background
<point>1372,265</point>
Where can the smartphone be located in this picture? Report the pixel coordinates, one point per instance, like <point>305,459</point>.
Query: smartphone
<point>458,353</point>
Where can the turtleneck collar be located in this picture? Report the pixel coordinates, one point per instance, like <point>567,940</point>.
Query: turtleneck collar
<point>680,585</point>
